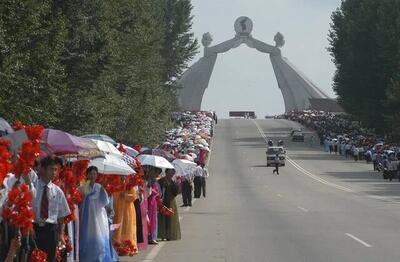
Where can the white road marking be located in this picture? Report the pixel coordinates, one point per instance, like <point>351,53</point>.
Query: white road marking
<point>154,252</point>
<point>315,177</point>
<point>302,170</point>
<point>252,169</point>
<point>323,181</point>
<point>382,198</point>
<point>302,208</point>
<point>156,249</point>
<point>358,240</point>
<point>279,195</point>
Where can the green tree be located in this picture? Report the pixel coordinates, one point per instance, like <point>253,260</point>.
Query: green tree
<point>85,59</point>
<point>94,66</point>
<point>393,116</point>
<point>364,41</point>
<point>32,37</point>
<point>179,45</point>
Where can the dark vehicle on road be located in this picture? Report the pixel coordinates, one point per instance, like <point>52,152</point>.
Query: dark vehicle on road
<point>243,114</point>
<point>297,136</point>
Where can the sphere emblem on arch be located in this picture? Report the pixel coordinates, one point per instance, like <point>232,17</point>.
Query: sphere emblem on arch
<point>243,26</point>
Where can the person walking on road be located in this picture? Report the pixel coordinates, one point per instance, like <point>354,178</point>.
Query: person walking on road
<point>276,165</point>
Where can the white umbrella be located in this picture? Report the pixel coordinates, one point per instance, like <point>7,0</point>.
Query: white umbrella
<point>130,151</point>
<point>156,161</point>
<point>112,165</point>
<point>183,167</point>
<point>184,163</point>
<point>107,147</point>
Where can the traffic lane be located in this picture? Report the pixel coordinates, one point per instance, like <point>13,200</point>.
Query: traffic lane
<point>239,223</point>
<point>345,172</point>
<point>357,175</point>
<point>328,233</point>
<point>291,194</point>
<point>246,221</point>
<point>352,211</point>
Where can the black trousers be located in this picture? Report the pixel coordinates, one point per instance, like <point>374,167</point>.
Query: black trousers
<point>46,238</point>
<point>186,193</point>
<point>139,223</point>
<point>197,186</point>
<point>276,169</point>
<point>203,186</point>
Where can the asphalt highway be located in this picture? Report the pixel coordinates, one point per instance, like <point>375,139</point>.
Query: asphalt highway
<point>320,208</point>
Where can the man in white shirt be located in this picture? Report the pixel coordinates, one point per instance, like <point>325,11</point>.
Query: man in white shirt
<point>187,187</point>
<point>198,174</point>
<point>203,180</point>
<point>356,153</point>
<point>50,207</point>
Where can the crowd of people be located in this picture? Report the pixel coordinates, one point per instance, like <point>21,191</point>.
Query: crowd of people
<point>341,136</point>
<point>60,203</point>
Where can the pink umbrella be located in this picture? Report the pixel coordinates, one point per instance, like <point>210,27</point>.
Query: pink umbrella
<point>61,143</point>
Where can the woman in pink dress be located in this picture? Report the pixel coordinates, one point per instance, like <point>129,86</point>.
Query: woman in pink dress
<point>154,193</point>
<point>142,245</point>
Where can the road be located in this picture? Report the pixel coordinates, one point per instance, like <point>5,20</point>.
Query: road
<point>320,208</point>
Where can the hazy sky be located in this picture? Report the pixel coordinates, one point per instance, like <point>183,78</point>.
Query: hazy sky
<point>243,79</point>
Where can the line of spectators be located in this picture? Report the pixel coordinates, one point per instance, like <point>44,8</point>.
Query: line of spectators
<point>341,136</point>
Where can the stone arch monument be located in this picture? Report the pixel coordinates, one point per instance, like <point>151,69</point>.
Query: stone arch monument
<point>296,88</point>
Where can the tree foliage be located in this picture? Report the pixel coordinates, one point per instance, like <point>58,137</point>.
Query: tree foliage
<point>94,66</point>
<point>364,43</point>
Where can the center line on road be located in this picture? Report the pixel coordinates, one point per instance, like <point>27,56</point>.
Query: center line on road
<point>315,177</point>
<point>358,240</point>
<point>302,170</point>
<point>302,208</point>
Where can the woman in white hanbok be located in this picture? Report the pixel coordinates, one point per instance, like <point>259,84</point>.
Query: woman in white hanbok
<point>94,235</point>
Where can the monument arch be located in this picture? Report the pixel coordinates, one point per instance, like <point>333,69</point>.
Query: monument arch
<point>297,90</point>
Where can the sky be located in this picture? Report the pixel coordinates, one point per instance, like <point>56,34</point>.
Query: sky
<point>243,78</point>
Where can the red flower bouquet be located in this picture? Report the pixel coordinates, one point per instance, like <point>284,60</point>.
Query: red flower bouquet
<point>38,256</point>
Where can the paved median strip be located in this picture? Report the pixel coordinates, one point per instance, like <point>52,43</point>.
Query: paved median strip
<point>358,240</point>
